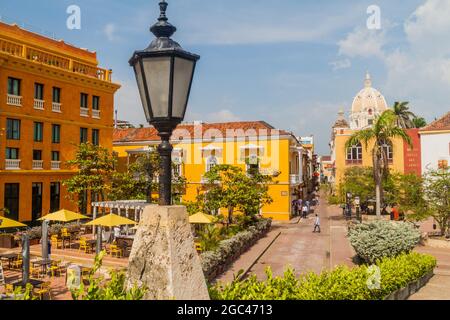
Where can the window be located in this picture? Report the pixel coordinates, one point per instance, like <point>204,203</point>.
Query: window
<point>56,133</point>
<point>14,86</point>
<point>211,163</point>
<point>36,200</point>
<point>388,150</point>
<point>37,154</point>
<point>12,153</point>
<point>38,131</point>
<point>11,200</point>
<point>95,103</point>
<point>56,95</point>
<point>13,129</point>
<point>84,100</point>
<point>83,135</point>
<point>354,153</point>
<point>95,137</point>
<point>55,155</point>
<point>39,91</point>
<point>55,196</point>
<point>370,121</point>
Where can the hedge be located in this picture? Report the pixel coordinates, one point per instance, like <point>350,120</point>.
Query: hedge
<point>383,239</point>
<point>340,284</point>
<point>216,262</point>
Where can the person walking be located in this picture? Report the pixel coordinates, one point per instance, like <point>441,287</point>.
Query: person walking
<point>308,205</point>
<point>317,224</point>
<point>299,206</point>
<point>304,211</point>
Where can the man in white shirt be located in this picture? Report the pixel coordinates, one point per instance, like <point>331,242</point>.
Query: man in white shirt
<point>317,224</point>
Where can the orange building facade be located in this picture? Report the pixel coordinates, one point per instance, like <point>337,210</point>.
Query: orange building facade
<point>53,96</point>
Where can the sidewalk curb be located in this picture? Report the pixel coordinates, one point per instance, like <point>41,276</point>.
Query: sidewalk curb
<point>245,273</point>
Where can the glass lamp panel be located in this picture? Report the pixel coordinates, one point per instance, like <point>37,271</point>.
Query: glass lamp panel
<point>182,78</point>
<point>140,83</point>
<point>157,73</point>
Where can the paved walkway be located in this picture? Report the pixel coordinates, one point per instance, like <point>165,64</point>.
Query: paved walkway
<point>439,286</point>
<point>297,246</point>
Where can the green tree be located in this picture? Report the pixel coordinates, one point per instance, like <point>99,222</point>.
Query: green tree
<point>404,115</point>
<point>407,192</point>
<point>359,181</point>
<point>231,188</point>
<point>95,168</point>
<point>419,122</point>
<point>381,133</point>
<point>437,199</point>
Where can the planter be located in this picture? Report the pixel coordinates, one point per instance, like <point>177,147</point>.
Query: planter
<point>411,288</point>
<point>7,241</point>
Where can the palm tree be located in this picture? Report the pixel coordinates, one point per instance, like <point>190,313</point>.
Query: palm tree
<point>419,122</point>
<point>381,133</point>
<point>404,116</point>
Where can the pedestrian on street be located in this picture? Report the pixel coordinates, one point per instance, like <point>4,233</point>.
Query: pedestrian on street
<point>317,224</point>
<point>304,211</point>
<point>308,205</point>
<point>317,200</point>
<point>299,206</point>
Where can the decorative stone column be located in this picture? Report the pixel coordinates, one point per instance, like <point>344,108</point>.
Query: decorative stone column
<point>163,257</point>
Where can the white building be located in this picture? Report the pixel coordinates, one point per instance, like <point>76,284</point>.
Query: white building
<point>435,141</point>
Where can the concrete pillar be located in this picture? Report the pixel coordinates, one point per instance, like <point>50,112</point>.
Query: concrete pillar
<point>163,257</point>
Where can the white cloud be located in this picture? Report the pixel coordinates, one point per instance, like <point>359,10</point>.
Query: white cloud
<point>110,31</point>
<point>363,42</point>
<point>341,64</point>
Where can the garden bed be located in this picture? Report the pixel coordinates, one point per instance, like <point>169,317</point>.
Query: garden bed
<point>216,262</point>
<point>412,287</point>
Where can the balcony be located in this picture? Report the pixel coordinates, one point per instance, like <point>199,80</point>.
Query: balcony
<point>295,179</point>
<point>354,162</point>
<point>56,107</point>
<point>12,164</point>
<point>38,164</point>
<point>39,104</point>
<point>95,114</point>
<point>14,49</point>
<point>84,112</point>
<point>13,100</point>
<point>56,165</point>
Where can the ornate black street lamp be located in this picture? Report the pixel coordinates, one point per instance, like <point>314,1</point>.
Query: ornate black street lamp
<point>164,73</point>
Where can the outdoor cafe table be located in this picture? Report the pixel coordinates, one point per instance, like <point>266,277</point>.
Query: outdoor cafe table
<point>43,264</point>
<point>64,239</point>
<point>34,282</point>
<point>10,257</point>
<point>91,243</point>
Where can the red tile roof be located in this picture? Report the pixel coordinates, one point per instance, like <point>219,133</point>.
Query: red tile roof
<point>440,124</point>
<point>208,130</point>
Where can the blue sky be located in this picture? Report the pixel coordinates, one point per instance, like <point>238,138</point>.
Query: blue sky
<point>291,63</point>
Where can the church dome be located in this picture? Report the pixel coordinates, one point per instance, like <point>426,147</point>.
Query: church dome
<point>367,104</point>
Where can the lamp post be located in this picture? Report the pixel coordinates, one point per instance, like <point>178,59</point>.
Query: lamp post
<point>164,73</point>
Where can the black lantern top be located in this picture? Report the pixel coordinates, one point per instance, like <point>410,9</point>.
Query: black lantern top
<point>164,73</point>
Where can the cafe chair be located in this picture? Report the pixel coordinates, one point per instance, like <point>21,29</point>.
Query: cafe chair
<point>44,289</point>
<point>9,289</point>
<point>35,272</point>
<point>198,247</point>
<point>56,242</point>
<point>55,268</point>
<point>17,263</point>
<point>115,250</point>
<point>84,246</point>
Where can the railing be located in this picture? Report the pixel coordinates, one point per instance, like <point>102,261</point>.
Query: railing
<point>56,107</point>
<point>353,162</point>
<point>39,56</point>
<point>84,112</point>
<point>294,179</point>
<point>95,114</point>
<point>12,164</point>
<point>39,104</point>
<point>13,100</point>
<point>56,165</point>
<point>38,164</point>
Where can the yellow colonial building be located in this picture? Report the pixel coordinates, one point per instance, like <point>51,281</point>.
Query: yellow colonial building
<point>199,146</point>
<point>53,96</point>
<point>367,105</point>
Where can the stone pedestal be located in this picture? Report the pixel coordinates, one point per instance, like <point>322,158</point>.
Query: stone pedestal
<point>163,257</point>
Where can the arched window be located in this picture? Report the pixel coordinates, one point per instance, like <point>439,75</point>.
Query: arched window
<point>388,150</point>
<point>211,162</point>
<point>354,154</point>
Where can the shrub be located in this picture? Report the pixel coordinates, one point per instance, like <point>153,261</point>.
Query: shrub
<point>380,239</point>
<point>215,262</point>
<point>340,284</point>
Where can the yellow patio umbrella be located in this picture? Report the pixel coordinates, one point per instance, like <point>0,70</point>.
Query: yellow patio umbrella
<point>111,220</point>
<point>8,223</point>
<point>63,216</point>
<point>201,218</point>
